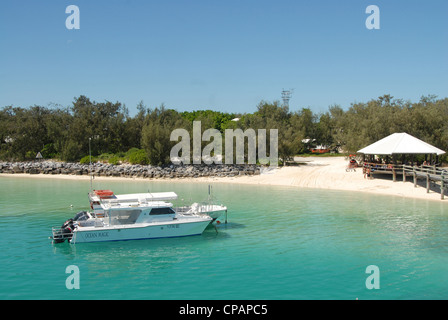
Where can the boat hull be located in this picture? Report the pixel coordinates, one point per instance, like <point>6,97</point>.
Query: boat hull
<point>216,212</point>
<point>139,231</point>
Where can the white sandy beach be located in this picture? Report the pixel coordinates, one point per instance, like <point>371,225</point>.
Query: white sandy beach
<point>313,172</point>
<point>329,173</point>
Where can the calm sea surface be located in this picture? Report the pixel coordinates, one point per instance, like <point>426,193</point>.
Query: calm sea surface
<point>279,243</point>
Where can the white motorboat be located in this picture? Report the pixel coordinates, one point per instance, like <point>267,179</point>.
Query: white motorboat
<point>134,216</point>
<point>209,207</point>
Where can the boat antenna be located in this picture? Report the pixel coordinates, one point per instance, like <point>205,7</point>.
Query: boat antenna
<point>210,193</point>
<point>90,167</point>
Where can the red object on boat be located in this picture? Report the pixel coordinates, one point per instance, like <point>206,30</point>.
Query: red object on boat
<point>104,193</point>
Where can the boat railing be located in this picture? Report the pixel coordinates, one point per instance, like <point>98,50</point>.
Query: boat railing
<point>60,233</point>
<point>183,209</point>
<point>119,204</point>
<point>198,208</point>
<point>206,207</point>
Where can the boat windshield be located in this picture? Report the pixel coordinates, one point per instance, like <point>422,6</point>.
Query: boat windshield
<point>119,217</point>
<point>159,211</point>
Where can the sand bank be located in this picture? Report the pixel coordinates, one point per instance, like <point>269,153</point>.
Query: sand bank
<point>313,172</point>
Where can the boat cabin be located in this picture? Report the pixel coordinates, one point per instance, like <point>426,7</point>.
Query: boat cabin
<point>132,208</point>
<point>101,200</point>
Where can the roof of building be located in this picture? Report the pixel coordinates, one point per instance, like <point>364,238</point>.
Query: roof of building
<point>400,143</point>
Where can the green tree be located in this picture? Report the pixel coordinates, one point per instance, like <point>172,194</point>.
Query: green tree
<point>103,122</point>
<point>156,133</point>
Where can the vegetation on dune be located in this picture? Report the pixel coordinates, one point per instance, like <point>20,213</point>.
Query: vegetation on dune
<point>63,133</point>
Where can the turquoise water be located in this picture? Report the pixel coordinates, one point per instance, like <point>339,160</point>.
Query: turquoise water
<point>279,243</point>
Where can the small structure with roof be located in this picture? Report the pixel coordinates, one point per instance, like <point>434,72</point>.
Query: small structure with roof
<point>400,143</point>
<point>399,151</point>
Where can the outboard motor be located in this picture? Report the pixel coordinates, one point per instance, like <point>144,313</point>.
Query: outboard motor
<point>65,232</point>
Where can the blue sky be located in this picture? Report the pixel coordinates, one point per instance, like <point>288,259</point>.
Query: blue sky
<point>222,55</point>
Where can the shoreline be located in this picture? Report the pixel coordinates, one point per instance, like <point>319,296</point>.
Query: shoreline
<point>312,172</point>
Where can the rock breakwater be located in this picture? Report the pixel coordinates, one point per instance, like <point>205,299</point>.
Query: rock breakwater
<point>128,170</point>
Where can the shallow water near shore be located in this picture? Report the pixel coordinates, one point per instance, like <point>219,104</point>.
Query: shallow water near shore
<point>279,243</point>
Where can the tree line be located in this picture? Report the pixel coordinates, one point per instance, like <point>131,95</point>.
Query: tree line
<point>65,132</point>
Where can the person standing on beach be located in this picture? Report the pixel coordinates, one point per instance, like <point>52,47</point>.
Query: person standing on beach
<point>366,172</point>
